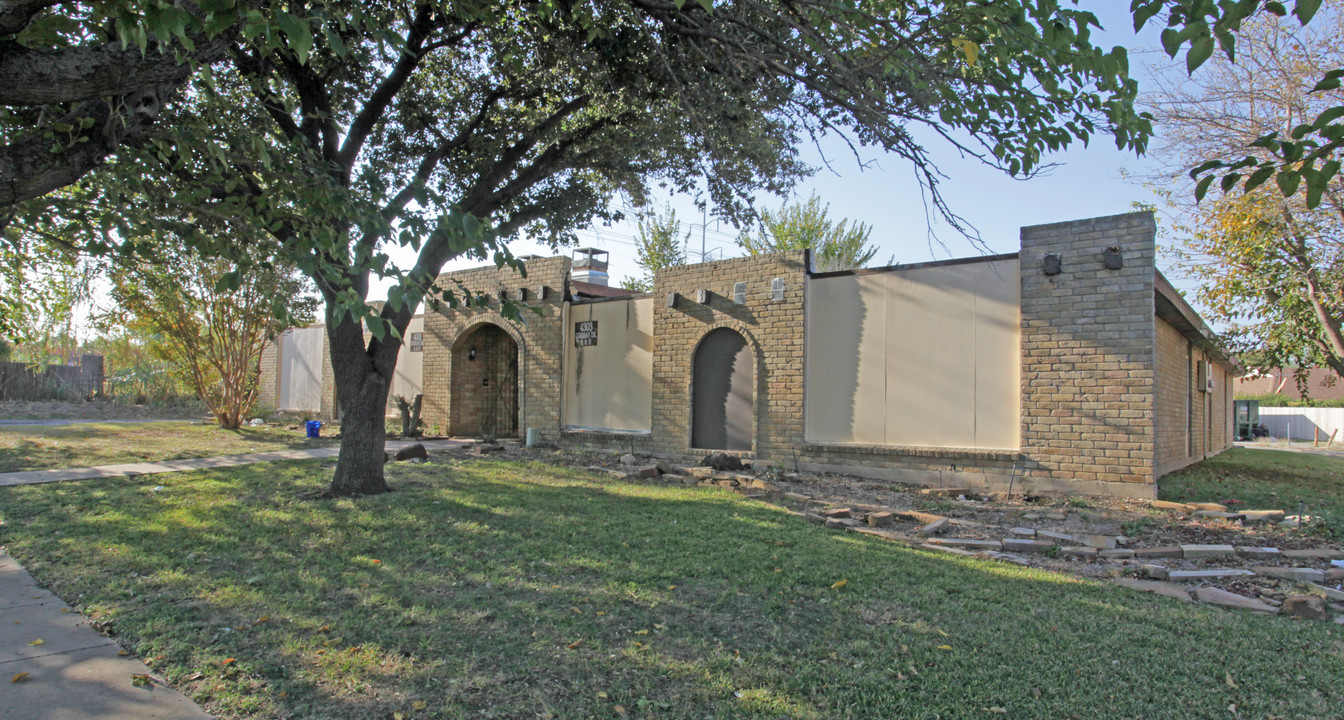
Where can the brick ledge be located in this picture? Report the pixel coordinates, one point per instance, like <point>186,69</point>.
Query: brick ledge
<point>913,451</point>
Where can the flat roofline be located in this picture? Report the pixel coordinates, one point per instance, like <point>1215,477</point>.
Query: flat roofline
<point>609,298</point>
<point>1171,306</point>
<point>915,266</point>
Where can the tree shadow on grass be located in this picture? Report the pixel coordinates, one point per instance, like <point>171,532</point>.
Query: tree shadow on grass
<point>519,591</point>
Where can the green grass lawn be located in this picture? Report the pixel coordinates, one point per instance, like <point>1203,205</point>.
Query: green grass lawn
<point>40,447</point>
<point>492,589</point>
<point>1266,479</point>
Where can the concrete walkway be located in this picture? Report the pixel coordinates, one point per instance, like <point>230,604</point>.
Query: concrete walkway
<point>34,477</point>
<point>93,421</point>
<point>75,673</point>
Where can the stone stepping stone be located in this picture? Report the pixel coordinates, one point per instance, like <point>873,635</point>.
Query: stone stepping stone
<point>1163,551</point>
<point>1166,589</point>
<point>1024,545</point>
<point>1214,574</point>
<point>1257,517</point>
<point>968,543</point>
<point>1291,573</point>
<point>947,549</point>
<point>1195,552</point>
<point>950,492</point>
<point>1100,542</point>
<point>1223,598</point>
<point>1116,554</point>
<point>1023,531</point>
<point>1258,553</point>
<point>1165,505</point>
<point>1213,507</point>
<point>1326,592</point>
<point>881,519</point>
<point>1313,554</point>
<point>1218,515</point>
<point>934,528</point>
<point>1081,551</point>
<point>918,516</point>
<point>1063,538</point>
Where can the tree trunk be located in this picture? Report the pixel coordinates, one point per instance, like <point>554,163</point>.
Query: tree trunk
<point>363,380</point>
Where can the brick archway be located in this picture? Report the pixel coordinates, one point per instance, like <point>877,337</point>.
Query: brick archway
<point>485,383</point>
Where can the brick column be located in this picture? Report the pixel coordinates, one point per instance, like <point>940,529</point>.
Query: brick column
<point>1088,344</point>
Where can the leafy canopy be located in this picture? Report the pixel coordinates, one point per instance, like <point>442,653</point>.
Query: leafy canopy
<point>806,225</point>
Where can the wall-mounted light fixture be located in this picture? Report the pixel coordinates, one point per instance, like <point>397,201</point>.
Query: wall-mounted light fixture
<point>1112,258</point>
<point>471,354</point>
<point>1052,264</point>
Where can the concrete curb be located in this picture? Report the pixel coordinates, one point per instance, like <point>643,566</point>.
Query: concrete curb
<point>36,477</point>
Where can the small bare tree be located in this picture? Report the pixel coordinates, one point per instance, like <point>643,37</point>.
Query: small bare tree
<point>210,329</point>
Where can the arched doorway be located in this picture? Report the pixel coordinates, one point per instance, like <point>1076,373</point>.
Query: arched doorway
<point>485,383</point>
<point>723,384</point>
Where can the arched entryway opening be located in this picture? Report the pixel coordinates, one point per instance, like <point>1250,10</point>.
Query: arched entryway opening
<point>723,382</point>
<point>484,391</point>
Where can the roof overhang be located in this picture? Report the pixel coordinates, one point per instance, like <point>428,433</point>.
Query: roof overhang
<point>1173,308</point>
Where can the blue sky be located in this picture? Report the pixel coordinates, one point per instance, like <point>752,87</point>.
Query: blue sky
<point>1088,181</point>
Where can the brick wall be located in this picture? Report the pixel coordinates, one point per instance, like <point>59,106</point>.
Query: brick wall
<point>773,330</point>
<point>538,339</point>
<point>1171,433</point>
<point>268,383</point>
<point>1088,376</point>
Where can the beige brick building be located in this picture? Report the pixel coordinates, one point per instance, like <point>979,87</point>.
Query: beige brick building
<point>1070,366</point>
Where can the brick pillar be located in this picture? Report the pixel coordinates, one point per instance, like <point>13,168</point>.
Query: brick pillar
<point>1088,344</point>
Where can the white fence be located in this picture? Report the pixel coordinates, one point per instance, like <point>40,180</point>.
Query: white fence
<point>1303,423</point>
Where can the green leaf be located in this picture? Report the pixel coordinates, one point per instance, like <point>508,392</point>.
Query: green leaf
<point>1202,188</point>
<point>300,37</point>
<point>1305,10</point>
<point>1259,177</point>
<point>1287,181</point>
<point>1201,48</point>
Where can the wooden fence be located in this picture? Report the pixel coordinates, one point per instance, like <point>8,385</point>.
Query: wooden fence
<point>20,381</point>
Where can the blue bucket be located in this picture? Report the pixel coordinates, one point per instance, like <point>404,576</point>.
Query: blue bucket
<point>314,428</point>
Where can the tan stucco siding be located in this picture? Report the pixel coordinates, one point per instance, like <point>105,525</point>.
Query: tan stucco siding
<point>937,361</point>
<point>609,386</point>
<point>410,365</point>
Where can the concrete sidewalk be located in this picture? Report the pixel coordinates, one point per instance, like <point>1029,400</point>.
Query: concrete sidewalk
<point>34,477</point>
<point>75,673</point>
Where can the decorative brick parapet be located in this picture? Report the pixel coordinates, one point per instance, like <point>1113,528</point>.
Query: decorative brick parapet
<point>1088,346</point>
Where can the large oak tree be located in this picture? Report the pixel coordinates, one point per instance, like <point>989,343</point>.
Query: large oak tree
<point>450,127</point>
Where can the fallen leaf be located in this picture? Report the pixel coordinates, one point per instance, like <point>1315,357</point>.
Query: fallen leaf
<point>419,705</point>
<point>123,653</point>
<point>263,618</point>
<point>641,632</point>
<point>193,676</point>
<point>839,584</point>
<point>65,610</point>
<point>18,678</point>
<point>996,709</point>
<point>396,715</point>
<point>228,660</point>
<point>940,632</point>
<point>377,561</point>
<point>944,647</point>
<point>140,680</point>
<point>1230,684</point>
<point>574,644</point>
<point>602,696</point>
<point>620,710</point>
<point>38,641</point>
<point>671,587</point>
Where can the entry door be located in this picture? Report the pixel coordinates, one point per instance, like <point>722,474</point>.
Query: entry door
<point>722,392</point>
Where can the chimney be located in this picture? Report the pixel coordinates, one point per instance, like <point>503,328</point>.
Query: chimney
<point>588,267</point>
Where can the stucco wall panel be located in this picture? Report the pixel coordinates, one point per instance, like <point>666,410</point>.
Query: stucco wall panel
<point>609,385</point>
<point>937,362</point>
